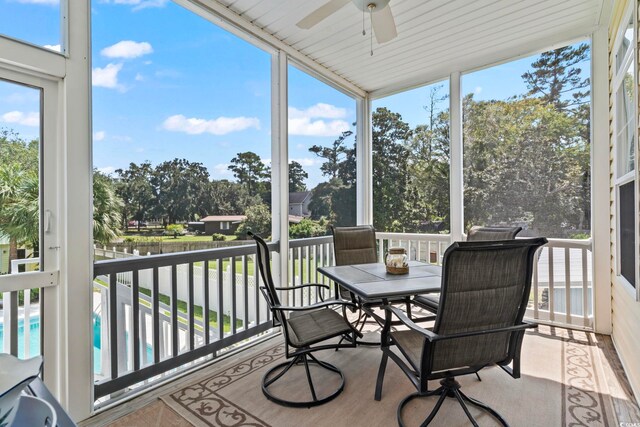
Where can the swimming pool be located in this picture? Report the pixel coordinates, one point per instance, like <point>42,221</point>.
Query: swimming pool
<point>34,340</point>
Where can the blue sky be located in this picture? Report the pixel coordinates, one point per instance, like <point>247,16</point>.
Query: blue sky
<point>167,84</point>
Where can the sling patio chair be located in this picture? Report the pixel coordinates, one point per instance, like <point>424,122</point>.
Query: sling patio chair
<point>476,234</point>
<point>305,330</point>
<point>485,291</point>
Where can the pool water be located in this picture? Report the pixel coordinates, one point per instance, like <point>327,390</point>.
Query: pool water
<point>34,340</point>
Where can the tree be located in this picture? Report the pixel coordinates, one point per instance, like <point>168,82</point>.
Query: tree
<point>106,209</point>
<point>258,221</point>
<point>297,175</point>
<point>556,77</point>
<point>135,190</point>
<point>229,198</point>
<point>249,170</point>
<point>180,189</point>
<point>390,171</point>
<point>333,156</point>
<point>306,228</point>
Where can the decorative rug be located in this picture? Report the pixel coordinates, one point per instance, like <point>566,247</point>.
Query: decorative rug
<point>562,384</point>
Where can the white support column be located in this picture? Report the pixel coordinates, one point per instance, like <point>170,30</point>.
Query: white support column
<point>456,187</point>
<point>279,166</point>
<point>600,181</point>
<point>364,162</point>
<point>72,374</point>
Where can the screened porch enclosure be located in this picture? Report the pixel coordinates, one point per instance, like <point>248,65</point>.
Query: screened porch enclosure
<point>448,126</point>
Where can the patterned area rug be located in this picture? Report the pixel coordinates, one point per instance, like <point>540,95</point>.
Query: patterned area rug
<point>562,384</point>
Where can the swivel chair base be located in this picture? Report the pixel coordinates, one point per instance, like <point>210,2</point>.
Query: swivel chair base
<point>449,387</point>
<point>301,359</point>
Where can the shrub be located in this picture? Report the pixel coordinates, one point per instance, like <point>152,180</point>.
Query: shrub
<point>217,237</point>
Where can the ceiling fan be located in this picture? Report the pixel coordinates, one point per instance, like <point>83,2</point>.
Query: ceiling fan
<point>382,21</point>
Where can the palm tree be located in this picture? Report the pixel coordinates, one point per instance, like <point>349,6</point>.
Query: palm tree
<point>106,209</point>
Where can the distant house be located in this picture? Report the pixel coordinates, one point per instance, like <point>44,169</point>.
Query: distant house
<point>299,203</point>
<point>228,224</point>
<point>223,224</point>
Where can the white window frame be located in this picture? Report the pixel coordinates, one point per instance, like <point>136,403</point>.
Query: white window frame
<point>224,225</point>
<point>631,57</point>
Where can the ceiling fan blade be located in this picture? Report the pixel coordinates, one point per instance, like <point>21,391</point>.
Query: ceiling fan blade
<point>321,13</point>
<point>383,25</point>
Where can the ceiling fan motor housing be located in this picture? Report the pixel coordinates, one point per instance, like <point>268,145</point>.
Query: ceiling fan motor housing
<point>364,5</point>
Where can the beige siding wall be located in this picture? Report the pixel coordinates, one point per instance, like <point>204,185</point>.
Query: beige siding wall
<point>625,308</point>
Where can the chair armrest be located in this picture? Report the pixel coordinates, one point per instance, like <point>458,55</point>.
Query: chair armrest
<point>314,306</point>
<point>522,326</point>
<point>306,285</point>
<point>410,323</point>
<point>432,337</point>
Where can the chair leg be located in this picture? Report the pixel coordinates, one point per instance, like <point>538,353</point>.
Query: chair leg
<point>485,407</point>
<point>478,376</point>
<point>380,380</point>
<point>449,388</point>
<point>306,368</point>
<point>301,359</point>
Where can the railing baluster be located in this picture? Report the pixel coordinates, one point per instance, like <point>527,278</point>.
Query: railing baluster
<point>192,331</point>
<point>586,307</point>
<point>156,315</point>
<point>220,299</point>
<point>245,283</point>
<point>135,306</point>
<point>234,297</point>
<point>26,297</point>
<point>535,287</point>
<point>301,271</point>
<point>113,324</point>
<point>174,311</point>
<point>205,312</point>
<point>552,308</point>
<point>13,297</point>
<point>567,281</point>
<point>308,270</point>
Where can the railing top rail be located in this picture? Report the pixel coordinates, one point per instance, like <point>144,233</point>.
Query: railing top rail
<point>311,241</point>
<point>570,243</point>
<point>414,236</point>
<point>164,260</point>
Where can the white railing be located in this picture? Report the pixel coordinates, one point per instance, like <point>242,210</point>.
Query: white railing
<point>561,290</point>
<point>20,316</point>
<point>562,287</point>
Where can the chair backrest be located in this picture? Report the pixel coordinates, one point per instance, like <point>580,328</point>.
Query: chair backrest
<point>354,245</point>
<point>485,285</point>
<point>264,267</point>
<point>478,233</point>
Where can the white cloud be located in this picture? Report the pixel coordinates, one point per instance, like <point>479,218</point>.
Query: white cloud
<point>18,117</point>
<point>219,126</point>
<point>127,49</point>
<point>222,169</point>
<point>477,90</point>
<point>320,111</point>
<point>139,77</point>
<point>55,47</point>
<point>307,127</point>
<point>99,135</point>
<point>45,2</point>
<point>309,121</point>
<point>107,170</point>
<point>142,4</point>
<point>123,138</point>
<point>306,161</point>
<point>107,76</point>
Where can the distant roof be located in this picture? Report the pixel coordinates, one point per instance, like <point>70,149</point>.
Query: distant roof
<point>295,219</point>
<point>298,197</point>
<point>212,218</point>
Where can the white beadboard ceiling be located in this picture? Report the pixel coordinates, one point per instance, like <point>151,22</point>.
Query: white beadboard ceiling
<point>435,37</point>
